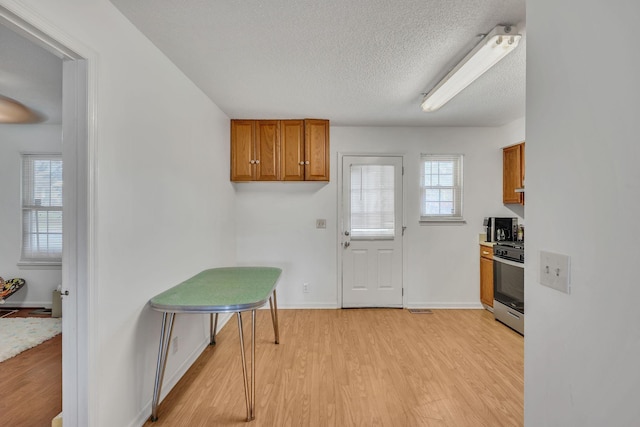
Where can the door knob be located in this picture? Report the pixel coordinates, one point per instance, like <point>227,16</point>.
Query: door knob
<point>347,244</point>
<point>346,233</point>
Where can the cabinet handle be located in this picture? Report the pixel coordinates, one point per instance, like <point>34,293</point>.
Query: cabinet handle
<point>307,162</point>
<point>257,162</point>
<point>301,163</point>
<point>252,161</point>
<point>485,253</point>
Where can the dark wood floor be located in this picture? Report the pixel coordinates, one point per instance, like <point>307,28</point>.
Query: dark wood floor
<point>31,383</point>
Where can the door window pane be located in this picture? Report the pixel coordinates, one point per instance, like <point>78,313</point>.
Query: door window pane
<point>372,201</point>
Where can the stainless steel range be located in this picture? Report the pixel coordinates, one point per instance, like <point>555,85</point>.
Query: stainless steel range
<point>508,284</point>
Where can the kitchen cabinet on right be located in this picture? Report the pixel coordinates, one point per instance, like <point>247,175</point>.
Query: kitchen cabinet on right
<point>513,174</point>
<point>486,276</point>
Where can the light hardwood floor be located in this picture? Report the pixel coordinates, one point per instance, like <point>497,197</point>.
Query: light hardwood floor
<point>363,367</point>
<point>31,383</point>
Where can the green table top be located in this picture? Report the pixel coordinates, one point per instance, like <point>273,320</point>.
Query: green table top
<point>220,290</point>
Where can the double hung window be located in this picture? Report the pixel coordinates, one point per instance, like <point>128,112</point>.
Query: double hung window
<point>441,187</point>
<point>41,208</point>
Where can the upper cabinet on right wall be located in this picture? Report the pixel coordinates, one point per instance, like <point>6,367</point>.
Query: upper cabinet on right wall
<point>513,174</point>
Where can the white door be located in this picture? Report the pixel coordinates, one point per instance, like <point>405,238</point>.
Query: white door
<point>371,231</point>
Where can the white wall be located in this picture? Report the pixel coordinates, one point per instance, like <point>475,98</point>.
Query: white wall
<point>41,281</point>
<point>583,182</point>
<point>164,202</point>
<point>275,223</point>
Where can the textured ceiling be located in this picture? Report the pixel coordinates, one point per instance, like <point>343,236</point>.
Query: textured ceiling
<point>31,75</point>
<point>358,62</point>
<point>355,62</point>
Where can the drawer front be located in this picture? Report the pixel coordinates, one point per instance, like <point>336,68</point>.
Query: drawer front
<point>486,252</point>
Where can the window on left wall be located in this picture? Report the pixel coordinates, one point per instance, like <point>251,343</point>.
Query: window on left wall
<point>41,209</point>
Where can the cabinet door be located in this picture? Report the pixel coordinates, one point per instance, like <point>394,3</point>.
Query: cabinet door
<point>512,158</point>
<point>522,173</point>
<point>267,150</point>
<point>316,150</point>
<point>292,150</point>
<point>242,150</point>
<point>486,281</point>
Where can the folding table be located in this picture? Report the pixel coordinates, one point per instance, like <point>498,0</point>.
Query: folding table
<point>214,291</point>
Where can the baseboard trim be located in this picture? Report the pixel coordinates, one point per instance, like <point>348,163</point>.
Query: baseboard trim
<point>311,306</point>
<point>440,305</point>
<point>447,305</point>
<point>28,304</point>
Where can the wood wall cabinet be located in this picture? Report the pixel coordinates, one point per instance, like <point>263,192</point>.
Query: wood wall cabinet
<point>513,174</point>
<point>486,276</point>
<point>292,158</point>
<point>255,150</point>
<point>243,135</point>
<point>316,150</point>
<point>280,150</point>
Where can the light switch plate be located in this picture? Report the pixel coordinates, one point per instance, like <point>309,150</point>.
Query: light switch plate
<point>554,271</point>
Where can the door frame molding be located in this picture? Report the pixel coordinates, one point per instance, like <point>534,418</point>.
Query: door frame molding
<point>79,154</point>
<point>340,211</point>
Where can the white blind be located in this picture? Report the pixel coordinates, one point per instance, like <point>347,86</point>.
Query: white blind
<point>441,187</point>
<point>372,201</point>
<point>41,208</point>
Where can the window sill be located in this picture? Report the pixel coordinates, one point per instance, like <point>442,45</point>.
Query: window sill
<point>40,265</point>
<point>442,221</point>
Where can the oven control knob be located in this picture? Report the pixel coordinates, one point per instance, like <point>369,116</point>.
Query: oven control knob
<point>522,257</point>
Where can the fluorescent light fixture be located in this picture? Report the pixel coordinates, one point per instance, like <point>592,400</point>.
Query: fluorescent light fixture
<point>491,49</point>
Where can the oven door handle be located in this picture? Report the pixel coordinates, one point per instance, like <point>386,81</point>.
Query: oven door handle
<point>508,262</point>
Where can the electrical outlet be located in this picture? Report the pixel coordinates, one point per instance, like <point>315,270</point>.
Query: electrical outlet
<point>305,288</point>
<point>174,345</point>
<point>321,223</point>
<point>554,271</point>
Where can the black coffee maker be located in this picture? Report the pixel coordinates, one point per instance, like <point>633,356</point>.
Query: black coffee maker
<point>501,229</point>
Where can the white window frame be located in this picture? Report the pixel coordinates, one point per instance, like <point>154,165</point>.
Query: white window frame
<point>457,187</point>
<point>29,205</point>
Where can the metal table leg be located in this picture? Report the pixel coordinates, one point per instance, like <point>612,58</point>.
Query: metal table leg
<point>248,398</point>
<point>163,350</point>
<point>273,307</point>
<point>213,326</point>
<point>253,364</point>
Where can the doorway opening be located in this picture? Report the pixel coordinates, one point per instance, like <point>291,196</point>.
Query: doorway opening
<point>78,130</point>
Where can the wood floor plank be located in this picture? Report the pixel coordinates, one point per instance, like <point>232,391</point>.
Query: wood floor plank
<point>31,383</point>
<point>361,367</point>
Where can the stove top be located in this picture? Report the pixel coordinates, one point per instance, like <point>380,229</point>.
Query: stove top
<point>516,245</point>
<point>513,251</point>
